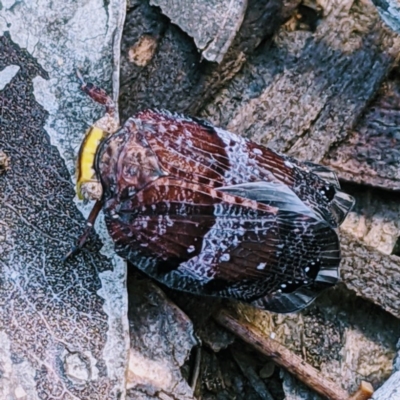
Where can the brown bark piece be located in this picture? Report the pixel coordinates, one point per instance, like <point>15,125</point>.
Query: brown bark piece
<point>371,153</point>
<point>283,357</point>
<point>374,219</point>
<point>302,94</point>
<point>370,274</point>
<point>176,77</point>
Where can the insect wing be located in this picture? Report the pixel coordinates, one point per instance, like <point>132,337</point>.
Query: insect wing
<point>274,194</point>
<point>220,242</point>
<point>174,220</point>
<point>194,150</point>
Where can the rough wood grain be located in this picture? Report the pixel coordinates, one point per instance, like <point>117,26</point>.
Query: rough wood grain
<point>372,147</point>
<point>375,218</point>
<point>372,275</point>
<point>282,356</point>
<point>303,93</point>
<point>390,389</point>
<point>175,76</point>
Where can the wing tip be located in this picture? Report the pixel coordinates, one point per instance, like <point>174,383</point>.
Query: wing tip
<point>285,303</point>
<point>341,205</point>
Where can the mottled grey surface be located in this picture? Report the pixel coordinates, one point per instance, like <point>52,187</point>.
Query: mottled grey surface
<point>162,337</point>
<point>212,24</point>
<point>50,310</point>
<point>63,329</point>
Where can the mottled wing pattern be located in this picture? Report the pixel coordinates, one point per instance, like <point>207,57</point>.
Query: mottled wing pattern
<point>185,148</point>
<point>203,210</point>
<point>170,218</point>
<point>254,242</point>
<point>198,152</point>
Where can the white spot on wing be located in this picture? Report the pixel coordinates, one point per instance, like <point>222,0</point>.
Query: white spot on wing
<point>225,257</point>
<point>288,164</point>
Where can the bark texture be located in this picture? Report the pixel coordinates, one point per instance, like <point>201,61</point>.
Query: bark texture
<point>322,88</point>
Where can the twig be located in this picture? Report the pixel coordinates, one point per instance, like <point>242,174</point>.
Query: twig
<point>290,361</point>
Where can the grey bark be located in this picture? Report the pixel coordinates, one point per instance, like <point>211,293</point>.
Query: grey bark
<point>390,390</point>
<point>372,147</point>
<point>63,330</point>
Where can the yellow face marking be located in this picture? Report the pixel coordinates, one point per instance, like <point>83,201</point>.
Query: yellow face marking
<point>85,165</point>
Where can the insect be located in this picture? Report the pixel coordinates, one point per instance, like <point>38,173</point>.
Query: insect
<point>205,211</point>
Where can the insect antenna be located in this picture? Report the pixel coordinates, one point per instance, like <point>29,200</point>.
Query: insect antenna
<point>98,95</point>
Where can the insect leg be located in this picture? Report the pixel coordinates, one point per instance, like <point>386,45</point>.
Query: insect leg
<point>89,226</point>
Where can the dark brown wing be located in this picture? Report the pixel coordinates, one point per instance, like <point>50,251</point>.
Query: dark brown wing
<point>196,151</point>
<point>252,242</point>
<point>172,219</point>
